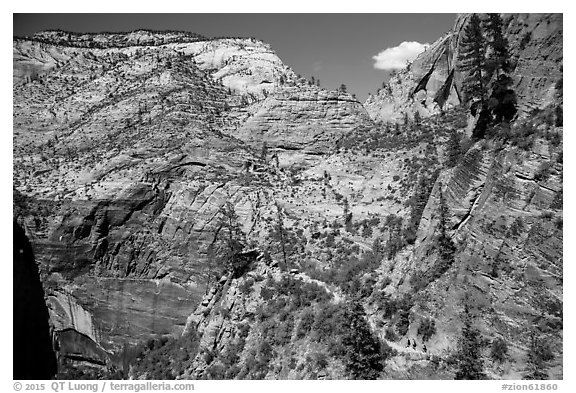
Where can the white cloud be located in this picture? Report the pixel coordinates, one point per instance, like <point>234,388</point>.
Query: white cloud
<point>396,58</point>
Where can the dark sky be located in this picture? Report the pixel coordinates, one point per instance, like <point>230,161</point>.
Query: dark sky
<point>336,48</point>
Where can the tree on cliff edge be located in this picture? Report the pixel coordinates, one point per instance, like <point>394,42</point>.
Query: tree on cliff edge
<point>498,58</point>
<point>471,60</point>
<point>233,237</point>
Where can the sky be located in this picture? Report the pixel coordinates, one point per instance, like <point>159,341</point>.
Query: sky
<point>335,48</point>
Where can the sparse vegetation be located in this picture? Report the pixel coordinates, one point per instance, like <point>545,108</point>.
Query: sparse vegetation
<point>427,329</point>
<point>469,360</point>
<point>156,180</point>
<point>539,354</point>
<point>499,350</point>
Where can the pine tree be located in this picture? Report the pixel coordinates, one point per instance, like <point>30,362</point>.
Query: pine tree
<point>406,119</point>
<point>502,101</point>
<point>499,350</point>
<point>347,216</point>
<point>498,56</point>
<point>446,247</point>
<point>453,150</point>
<point>469,355</point>
<point>281,234</point>
<point>234,237</point>
<point>364,358</point>
<point>538,355</point>
<point>264,152</point>
<point>471,60</point>
<point>417,118</point>
<point>282,242</point>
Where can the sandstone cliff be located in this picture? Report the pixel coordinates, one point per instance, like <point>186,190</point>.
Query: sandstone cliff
<point>535,44</point>
<point>134,152</point>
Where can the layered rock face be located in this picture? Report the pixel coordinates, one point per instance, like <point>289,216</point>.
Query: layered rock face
<point>506,224</point>
<point>430,71</point>
<point>308,119</point>
<point>101,153</point>
<point>121,168</point>
<point>535,44</point>
<point>129,148</point>
<point>245,65</point>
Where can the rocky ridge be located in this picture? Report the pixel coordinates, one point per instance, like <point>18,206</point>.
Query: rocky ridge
<point>126,156</point>
<point>535,44</point>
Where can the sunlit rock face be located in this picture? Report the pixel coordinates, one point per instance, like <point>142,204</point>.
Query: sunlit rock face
<point>122,171</point>
<point>535,44</point>
<point>306,119</point>
<point>508,232</point>
<point>121,166</point>
<point>127,147</point>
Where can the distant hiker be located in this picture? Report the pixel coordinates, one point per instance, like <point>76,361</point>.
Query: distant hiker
<point>424,348</point>
<point>414,345</point>
<point>408,345</point>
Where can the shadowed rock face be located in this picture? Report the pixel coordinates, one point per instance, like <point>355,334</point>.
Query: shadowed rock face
<point>33,355</point>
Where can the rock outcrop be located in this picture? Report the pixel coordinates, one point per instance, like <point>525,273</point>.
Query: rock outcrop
<point>535,45</point>
<point>122,169</point>
<point>245,65</point>
<point>304,118</point>
<point>139,157</point>
<point>506,224</point>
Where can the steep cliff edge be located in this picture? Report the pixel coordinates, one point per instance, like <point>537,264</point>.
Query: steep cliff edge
<point>505,221</point>
<point>33,355</point>
<point>142,160</point>
<point>125,152</point>
<point>433,78</point>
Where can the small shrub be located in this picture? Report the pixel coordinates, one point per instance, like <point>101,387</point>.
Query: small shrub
<point>559,223</point>
<point>557,202</point>
<point>543,172</point>
<point>403,322</point>
<point>523,135</point>
<point>266,293</point>
<point>525,40</point>
<point>390,335</point>
<point>427,329</point>
<point>246,286</point>
<point>499,350</point>
<point>559,113</point>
